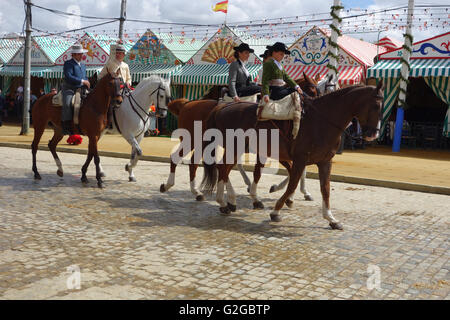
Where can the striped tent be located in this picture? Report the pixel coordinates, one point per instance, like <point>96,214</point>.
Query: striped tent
<point>139,72</point>
<point>211,74</point>
<point>347,75</point>
<point>17,71</point>
<point>419,68</point>
<point>58,72</point>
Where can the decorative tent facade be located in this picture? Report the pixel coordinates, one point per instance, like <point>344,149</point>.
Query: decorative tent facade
<point>210,64</point>
<point>389,43</point>
<point>309,55</point>
<point>430,60</point>
<point>44,52</point>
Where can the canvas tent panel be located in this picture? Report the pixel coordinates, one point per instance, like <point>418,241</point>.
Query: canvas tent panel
<point>347,75</point>
<point>419,68</point>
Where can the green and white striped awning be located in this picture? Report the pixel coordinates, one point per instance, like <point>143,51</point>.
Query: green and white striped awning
<point>57,72</point>
<point>208,74</point>
<point>139,72</point>
<point>17,71</point>
<point>419,68</point>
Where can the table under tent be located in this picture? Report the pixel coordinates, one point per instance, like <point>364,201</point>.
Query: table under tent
<point>426,121</point>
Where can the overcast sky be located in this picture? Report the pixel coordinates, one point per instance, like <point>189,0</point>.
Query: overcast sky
<point>198,11</point>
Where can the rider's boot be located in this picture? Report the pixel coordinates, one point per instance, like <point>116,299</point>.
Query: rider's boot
<point>67,127</point>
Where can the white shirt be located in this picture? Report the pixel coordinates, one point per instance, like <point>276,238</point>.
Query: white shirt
<point>243,67</point>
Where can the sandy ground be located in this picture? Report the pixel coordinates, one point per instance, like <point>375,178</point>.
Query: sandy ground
<point>426,167</point>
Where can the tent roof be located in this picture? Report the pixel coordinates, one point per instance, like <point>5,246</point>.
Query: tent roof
<point>8,48</point>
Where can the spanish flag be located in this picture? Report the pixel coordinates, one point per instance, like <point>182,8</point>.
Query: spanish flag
<point>221,6</point>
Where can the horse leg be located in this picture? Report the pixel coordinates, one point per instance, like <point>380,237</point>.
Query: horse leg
<point>57,136</point>
<point>324,176</point>
<point>134,158</point>
<point>96,161</point>
<point>224,208</point>
<point>102,173</point>
<point>38,131</point>
<point>296,172</point>
<point>244,176</point>
<point>288,166</point>
<point>257,204</point>
<point>171,179</point>
<point>231,194</point>
<point>192,171</point>
<point>84,179</point>
<point>306,194</point>
<point>129,166</point>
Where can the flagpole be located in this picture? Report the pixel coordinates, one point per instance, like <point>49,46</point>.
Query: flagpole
<point>226,13</point>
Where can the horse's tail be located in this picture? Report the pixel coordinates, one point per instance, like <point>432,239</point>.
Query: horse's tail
<point>209,182</point>
<point>176,105</point>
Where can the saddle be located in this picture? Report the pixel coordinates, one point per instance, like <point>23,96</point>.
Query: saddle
<point>57,100</point>
<point>288,108</point>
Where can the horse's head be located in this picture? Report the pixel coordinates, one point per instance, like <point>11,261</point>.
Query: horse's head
<point>114,89</point>
<point>369,116</point>
<point>327,85</point>
<point>163,98</point>
<point>308,85</point>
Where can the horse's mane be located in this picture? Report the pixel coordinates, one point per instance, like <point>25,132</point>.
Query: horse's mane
<point>144,82</point>
<point>332,95</point>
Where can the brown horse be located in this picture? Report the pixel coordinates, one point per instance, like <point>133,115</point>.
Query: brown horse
<point>198,110</point>
<point>92,122</point>
<point>317,142</point>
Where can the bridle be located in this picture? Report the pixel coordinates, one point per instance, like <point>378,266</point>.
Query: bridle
<point>148,114</point>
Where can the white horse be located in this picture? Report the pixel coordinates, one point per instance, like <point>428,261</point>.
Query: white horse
<point>326,85</point>
<point>132,118</point>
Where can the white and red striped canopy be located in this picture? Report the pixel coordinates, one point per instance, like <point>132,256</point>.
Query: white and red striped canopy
<point>347,75</point>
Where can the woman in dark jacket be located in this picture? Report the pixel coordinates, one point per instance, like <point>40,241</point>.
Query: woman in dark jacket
<point>239,80</point>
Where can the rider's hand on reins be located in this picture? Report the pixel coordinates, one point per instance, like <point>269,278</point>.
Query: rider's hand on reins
<point>237,99</point>
<point>86,83</point>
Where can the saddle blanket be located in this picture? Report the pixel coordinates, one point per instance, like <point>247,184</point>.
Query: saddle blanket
<point>57,100</point>
<point>253,98</point>
<point>288,108</point>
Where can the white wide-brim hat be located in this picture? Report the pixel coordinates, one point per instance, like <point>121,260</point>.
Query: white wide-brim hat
<point>78,48</point>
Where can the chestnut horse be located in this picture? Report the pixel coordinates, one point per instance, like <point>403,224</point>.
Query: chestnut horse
<point>92,122</point>
<point>317,142</point>
<point>198,110</point>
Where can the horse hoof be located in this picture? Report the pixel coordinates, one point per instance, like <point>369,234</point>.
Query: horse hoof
<point>258,205</point>
<point>84,180</point>
<point>308,197</point>
<point>272,189</point>
<point>232,207</point>
<point>102,174</point>
<point>126,167</point>
<point>225,210</point>
<point>248,189</point>
<point>131,179</point>
<point>289,203</point>
<point>37,176</point>
<point>200,197</point>
<point>336,226</point>
<point>275,217</point>
<point>100,185</point>
<point>162,188</point>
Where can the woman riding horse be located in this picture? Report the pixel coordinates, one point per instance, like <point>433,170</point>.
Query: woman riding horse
<point>275,77</point>
<point>239,80</point>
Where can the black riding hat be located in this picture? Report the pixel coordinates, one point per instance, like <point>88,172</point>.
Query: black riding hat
<point>265,54</point>
<point>279,46</point>
<point>243,47</point>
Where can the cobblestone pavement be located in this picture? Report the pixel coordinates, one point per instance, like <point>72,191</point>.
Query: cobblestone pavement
<point>129,241</point>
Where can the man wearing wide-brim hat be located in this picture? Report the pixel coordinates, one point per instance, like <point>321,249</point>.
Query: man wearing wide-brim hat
<point>116,65</point>
<point>274,76</point>
<point>74,78</point>
<point>240,83</point>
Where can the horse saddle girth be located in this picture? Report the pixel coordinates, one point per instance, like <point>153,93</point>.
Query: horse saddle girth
<point>57,100</point>
<point>288,108</point>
